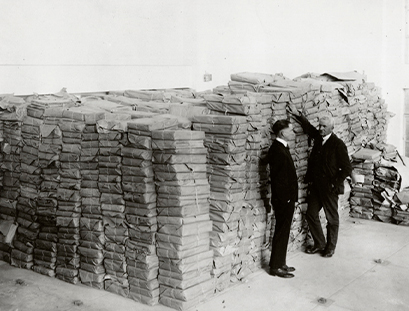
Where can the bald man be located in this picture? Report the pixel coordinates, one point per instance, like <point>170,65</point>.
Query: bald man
<point>328,166</point>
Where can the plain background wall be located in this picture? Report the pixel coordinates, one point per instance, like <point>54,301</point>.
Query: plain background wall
<point>100,45</point>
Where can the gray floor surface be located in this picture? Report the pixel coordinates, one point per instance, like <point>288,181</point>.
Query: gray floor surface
<point>369,271</point>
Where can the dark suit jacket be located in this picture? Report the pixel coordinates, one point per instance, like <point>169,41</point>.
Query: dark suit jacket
<point>328,165</point>
<point>284,185</point>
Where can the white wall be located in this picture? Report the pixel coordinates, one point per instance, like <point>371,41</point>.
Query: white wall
<point>96,45</point>
<point>91,45</point>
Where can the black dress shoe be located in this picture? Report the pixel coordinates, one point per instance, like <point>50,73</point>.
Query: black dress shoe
<point>314,250</point>
<point>287,268</point>
<point>281,273</point>
<point>328,254</point>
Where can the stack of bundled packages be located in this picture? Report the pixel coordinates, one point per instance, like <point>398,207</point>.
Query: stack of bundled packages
<point>10,169</point>
<point>112,137</point>
<point>184,225</point>
<point>247,256</point>
<point>72,126</point>
<point>363,170</point>
<point>30,176</point>
<point>46,113</point>
<point>225,141</point>
<point>386,186</point>
<point>141,202</point>
<point>31,217</point>
<point>263,221</point>
<point>69,200</point>
<point>92,236</point>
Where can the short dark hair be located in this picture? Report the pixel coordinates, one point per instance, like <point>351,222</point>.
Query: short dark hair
<point>280,125</point>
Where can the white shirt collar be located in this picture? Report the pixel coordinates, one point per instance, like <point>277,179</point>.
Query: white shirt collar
<point>325,138</point>
<point>282,141</point>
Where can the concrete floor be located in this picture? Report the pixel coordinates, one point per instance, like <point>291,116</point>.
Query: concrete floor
<point>369,271</point>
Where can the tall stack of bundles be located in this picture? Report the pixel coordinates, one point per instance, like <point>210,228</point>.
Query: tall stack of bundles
<point>92,236</point>
<point>35,190</point>
<point>141,208</point>
<point>385,187</point>
<point>258,176</point>
<point>22,253</point>
<point>69,201</point>
<point>183,238</point>
<point>45,252</point>
<point>361,199</point>
<point>266,102</point>
<point>225,141</point>
<point>69,193</point>
<point>112,136</point>
<point>248,107</point>
<point>12,110</point>
<point>29,182</point>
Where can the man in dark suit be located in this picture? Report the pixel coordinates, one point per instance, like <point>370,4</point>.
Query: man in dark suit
<point>284,194</point>
<point>328,166</point>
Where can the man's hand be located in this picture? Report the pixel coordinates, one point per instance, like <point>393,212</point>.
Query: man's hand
<point>293,110</point>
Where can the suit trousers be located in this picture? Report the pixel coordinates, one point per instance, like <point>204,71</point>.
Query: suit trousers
<point>318,199</point>
<point>283,212</point>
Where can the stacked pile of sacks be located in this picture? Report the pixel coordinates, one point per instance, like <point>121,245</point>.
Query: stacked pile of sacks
<point>13,110</point>
<point>185,258</point>
<point>247,257</point>
<point>225,142</point>
<point>140,210</point>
